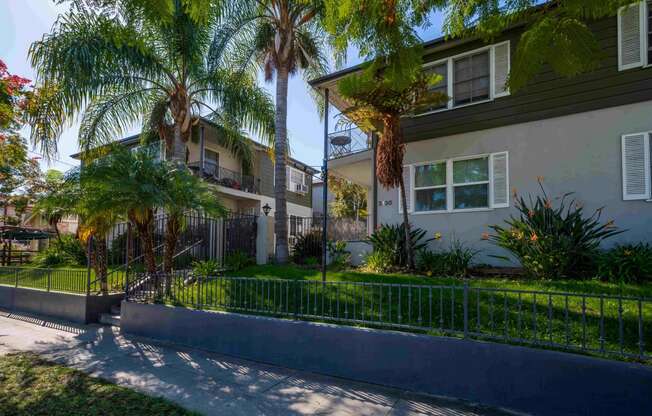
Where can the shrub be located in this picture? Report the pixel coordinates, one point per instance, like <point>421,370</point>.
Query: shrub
<point>308,245</point>
<point>311,262</point>
<point>377,262</point>
<point>339,257</point>
<point>553,242</point>
<point>238,260</point>
<point>206,268</point>
<point>452,262</point>
<point>65,251</point>
<point>390,241</point>
<point>628,263</point>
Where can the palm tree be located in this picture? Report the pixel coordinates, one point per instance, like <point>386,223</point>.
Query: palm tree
<point>134,64</point>
<point>129,183</point>
<point>285,37</point>
<point>54,203</point>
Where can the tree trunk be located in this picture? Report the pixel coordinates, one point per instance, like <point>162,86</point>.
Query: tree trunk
<point>178,150</point>
<point>145,233</point>
<point>409,252</point>
<point>171,237</point>
<point>280,152</point>
<point>99,260</point>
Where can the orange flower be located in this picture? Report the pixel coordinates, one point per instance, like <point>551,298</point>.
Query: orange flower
<point>485,236</point>
<point>534,237</point>
<point>539,179</point>
<point>514,193</point>
<point>530,213</point>
<point>548,204</point>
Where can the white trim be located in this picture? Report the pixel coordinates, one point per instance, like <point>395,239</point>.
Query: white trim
<point>642,61</point>
<point>449,79</point>
<point>646,161</point>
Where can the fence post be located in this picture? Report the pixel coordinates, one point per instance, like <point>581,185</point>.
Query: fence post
<point>127,260</point>
<point>88,265</point>
<point>16,273</point>
<point>49,278</point>
<point>466,309</point>
<point>199,291</point>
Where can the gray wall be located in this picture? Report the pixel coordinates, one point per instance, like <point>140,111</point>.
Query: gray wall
<point>523,379</point>
<point>265,171</point>
<point>66,306</point>
<point>578,153</point>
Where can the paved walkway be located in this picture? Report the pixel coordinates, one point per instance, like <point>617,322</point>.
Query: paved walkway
<point>210,383</point>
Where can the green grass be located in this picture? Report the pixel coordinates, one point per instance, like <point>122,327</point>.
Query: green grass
<point>63,279</point>
<point>494,311</point>
<point>31,386</point>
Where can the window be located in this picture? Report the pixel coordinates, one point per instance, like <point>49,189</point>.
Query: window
<point>469,183</point>
<point>296,180</point>
<point>442,86</point>
<point>636,166</point>
<point>211,161</point>
<point>471,78</point>
<point>430,187</point>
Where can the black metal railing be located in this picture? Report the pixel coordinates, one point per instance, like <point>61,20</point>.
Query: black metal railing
<point>338,229</point>
<point>607,325</point>
<point>226,177</point>
<point>347,142</point>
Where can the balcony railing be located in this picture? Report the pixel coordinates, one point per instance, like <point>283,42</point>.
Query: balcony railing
<point>347,142</point>
<point>226,177</point>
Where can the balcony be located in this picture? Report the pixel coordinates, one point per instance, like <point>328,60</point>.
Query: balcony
<point>224,177</point>
<point>347,142</point>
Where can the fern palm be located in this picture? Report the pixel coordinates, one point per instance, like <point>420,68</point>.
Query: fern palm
<point>133,63</point>
<point>284,37</point>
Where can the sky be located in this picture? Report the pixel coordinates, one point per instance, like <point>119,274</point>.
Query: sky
<point>25,21</point>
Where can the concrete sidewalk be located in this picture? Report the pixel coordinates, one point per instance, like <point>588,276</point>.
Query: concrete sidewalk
<point>209,383</point>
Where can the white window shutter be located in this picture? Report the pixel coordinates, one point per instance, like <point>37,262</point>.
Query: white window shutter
<point>407,181</point>
<point>631,25</point>
<point>288,173</point>
<point>501,69</point>
<point>636,166</point>
<point>500,183</point>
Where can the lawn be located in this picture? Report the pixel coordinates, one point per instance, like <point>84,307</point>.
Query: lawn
<point>508,310</point>
<point>64,279</point>
<point>31,386</point>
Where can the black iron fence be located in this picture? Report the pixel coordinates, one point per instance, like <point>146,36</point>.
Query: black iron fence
<point>589,323</point>
<point>307,231</point>
<point>49,279</point>
<point>347,142</point>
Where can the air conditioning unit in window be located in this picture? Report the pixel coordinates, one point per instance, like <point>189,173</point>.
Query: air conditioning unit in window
<point>300,188</point>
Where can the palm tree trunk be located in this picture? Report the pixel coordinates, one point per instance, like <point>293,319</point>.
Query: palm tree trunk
<point>144,228</point>
<point>171,237</point>
<point>178,153</point>
<point>99,261</point>
<point>409,250</point>
<point>280,151</point>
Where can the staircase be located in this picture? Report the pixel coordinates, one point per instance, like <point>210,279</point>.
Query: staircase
<point>112,318</point>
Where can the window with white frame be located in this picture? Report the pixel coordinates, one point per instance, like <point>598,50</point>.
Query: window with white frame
<point>472,77</point>
<point>636,166</point>
<point>635,35</point>
<point>458,184</point>
<point>296,180</point>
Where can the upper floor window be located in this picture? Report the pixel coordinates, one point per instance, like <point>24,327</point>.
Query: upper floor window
<point>468,183</point>
<point>296,180</point>
<point>635,35</point>
<point>472,77</point>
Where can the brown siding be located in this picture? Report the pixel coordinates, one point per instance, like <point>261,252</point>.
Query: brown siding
<point>547,96</point>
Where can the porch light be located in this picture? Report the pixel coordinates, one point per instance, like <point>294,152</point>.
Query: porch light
<point>266,209</point>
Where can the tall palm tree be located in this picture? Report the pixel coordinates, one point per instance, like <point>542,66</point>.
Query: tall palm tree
<point>136,64</point>
<point>285,37</point>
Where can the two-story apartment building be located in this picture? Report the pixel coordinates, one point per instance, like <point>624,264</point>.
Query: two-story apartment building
<point>466,158</point>
<point>241,191</point>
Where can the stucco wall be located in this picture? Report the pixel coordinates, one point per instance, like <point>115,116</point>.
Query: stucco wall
<point>579,153</point>
<point>529,380</point>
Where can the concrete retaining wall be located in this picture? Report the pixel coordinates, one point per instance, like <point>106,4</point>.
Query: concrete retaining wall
<point>529,380</point>
<point>358,250</point>
<point>66,306</point>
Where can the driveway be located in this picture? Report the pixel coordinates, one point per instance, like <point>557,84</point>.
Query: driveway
<point>210,383</point>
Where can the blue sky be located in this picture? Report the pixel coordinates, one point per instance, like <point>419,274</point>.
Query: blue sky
<point>25,21</point>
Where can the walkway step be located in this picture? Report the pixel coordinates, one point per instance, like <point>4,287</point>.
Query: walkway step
<point>110,319</point>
